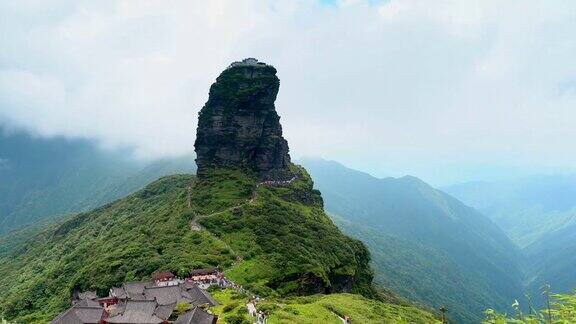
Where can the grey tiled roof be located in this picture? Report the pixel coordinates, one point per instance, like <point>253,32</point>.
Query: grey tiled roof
<point>164,295</point>
<point>119,292</point>
<point>87,295</point>
<point>196,316</point>
<point>80,315</point>
<point>200,296</point>
<point>87,302</point>
<point>145,306</point>
<point>137,312</point>
<point>133,289</point>
<point>135,318</point>
<point>119,309</point>
<point>188,285</point>
<point>167,295</point>
<point>142,303</point>
<point>164,311</point>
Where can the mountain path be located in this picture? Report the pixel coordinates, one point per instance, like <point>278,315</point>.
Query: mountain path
<point>194,226</point>
<point>197,227</point>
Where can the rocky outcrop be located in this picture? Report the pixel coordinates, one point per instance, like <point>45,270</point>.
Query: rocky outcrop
<point>238,127</point>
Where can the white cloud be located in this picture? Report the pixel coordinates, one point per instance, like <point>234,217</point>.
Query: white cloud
<point>408,85</point>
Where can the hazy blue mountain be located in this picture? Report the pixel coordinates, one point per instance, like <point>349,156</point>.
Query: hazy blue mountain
<point>425,244</point>
<point>552,260</point>
<point>42,178</point>
<point>526,209</point>
<point>539,213</point>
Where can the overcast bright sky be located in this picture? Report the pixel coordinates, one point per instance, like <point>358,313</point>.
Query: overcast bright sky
<point>445,90</point>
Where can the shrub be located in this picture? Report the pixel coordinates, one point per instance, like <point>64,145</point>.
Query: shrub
<point>237,319</point>
<point>229,307</point>
<point>182,308</point>
<point>562,310</point>
<point>291,310</point>
<point>267,308</point>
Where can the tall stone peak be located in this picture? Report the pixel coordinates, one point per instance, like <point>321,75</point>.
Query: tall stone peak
<point>239,127</point>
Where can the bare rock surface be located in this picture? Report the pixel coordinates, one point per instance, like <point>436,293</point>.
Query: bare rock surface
<point>239,127</point>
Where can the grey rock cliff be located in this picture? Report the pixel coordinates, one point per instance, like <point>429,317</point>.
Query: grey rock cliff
<point>238,127</point>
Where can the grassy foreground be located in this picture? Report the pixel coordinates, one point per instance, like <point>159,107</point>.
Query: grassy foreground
<point>287,244</point>
<point>562,310</point>
<point>318,309</point>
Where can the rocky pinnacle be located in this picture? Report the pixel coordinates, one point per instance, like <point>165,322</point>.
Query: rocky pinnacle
<point>239,127</point>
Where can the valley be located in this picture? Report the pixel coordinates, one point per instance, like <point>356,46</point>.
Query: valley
<point>539,214</point>
<point>425,245</point>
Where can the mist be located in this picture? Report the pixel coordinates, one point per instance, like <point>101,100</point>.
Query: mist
<point>449,91</point>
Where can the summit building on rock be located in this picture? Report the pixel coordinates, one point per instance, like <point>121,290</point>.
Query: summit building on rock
<point>239,127</point>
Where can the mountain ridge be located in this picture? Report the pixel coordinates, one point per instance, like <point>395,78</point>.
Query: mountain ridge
<point>404,220</point>
<point>272,236</point>
<point>44,178</point>
<point>539,213</point>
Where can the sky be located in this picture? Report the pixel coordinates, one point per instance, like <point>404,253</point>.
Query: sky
<point>448,91</point>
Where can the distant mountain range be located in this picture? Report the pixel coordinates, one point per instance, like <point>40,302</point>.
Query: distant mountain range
<point>539,214</point>
<point>425,244</point>
<point>43,178</point>
<point>527,208</point>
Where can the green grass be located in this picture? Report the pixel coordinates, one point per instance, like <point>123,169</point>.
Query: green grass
<point>223,188</point>
<point>253,274</point>
<point>285,241</point>
<point>279,245</point>
<point>123,241</point>
<point>287,230</point>
<point>418,249</point>
<point>423,274</point>
<point>232,306</point>
<point>562,310</point>
<point>328,308</point>
<point>320,309</point>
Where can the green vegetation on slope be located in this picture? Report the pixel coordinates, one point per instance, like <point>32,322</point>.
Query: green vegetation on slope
<point>423,274</point>
<point>562,310</point>
<point>287,243</point>
<point>551,260</point>
<point>123,241</point>
<point>276,243</point>
<point>44,178</point>
<point>525,208</point>
<point>425,245</point>
<point>328,309</point>
<point>539,214</point>
<point>231,308</point>
<point>317,309</point>
<point>12,240</point>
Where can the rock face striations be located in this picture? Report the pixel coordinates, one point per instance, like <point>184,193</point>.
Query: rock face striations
<point>238,127</point>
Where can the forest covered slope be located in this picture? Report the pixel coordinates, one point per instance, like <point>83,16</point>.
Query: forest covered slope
<point>250,211</point>
<point>45,178</point>
<point>539,214</point>
<point>277,244</point>
<point>425,244</point>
